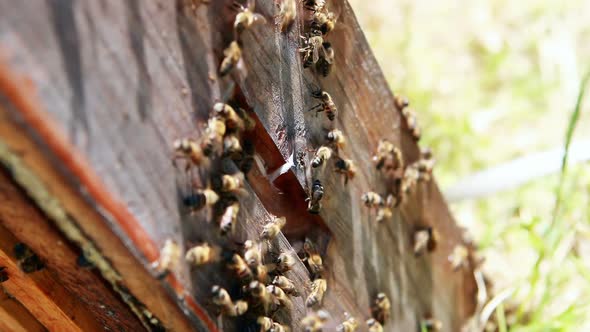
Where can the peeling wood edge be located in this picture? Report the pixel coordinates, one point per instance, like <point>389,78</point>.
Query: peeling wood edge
<point>23,95</point>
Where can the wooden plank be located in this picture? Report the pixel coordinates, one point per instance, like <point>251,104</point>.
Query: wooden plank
<point>93,298</point>
<point>124,79</point>
<point>15,317</point>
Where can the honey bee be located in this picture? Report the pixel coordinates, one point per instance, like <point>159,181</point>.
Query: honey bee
<point>229,218</point>
<point>169,259</point>
<point>312,258</point>
<point>201,255</point>
<point>401,102</point>
<point>276,327</point>
<point>265,323</point>
<point>314,321</point>
<point>317,193</point>
<point>326,61</point>
<point>252,254</point>
<point>336,138</point>
<point>200,199</point>
<point>240,308</point>
<point>213,134</point>
<point>270,230</point>
<point>232,56</point>
<point>458,258</point>
<point>313,49</point>
<point>221,298</point>
<point>318,288</point>
<point>231,145</point>
<point>425,240</point>
<point>321,156</point>
<point>230,183</point>
<point>189,150</point>
<point>349,325</point>
<point>232,120</point>
<point>326,104</point>
<point>239,266</point>
<point>425,165</point>
<point>388,156</point>
<point>247,18</point>
<point>279,295</point>
<point>347,168</point>
<point>260,294</point>
<point>286,285</point>
<point>384,213</point>
<point>284,262</point>
<point>314,5</point>
<point>372,199</point>
<point>412,123</point>
<point>431,325</point>
<point>323,21</point>
<point>410,179</point>
<point>288,11</point>
<point>374,326</point>
<point>381,308</point>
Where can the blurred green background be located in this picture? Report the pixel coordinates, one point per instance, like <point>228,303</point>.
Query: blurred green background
<point>492,81</point>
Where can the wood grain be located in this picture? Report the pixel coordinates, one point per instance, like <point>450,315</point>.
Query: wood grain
<point>121,80</point>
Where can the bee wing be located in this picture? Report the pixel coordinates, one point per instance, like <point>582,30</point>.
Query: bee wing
<point>315,55</point>
<point>327,56</point>
<point>258,19</point>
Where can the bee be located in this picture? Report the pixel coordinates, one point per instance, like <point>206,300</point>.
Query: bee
<point>318,288</point>
<point>201,255</point>
<point>229,218</point>
<point>412,123</point>
<point>265,323</point>
<point>270,230</point>
<point>321,156</point>
<point>286,285</point>
<point>276,327</point>
<point>247,161</point>
<point>279,295</point>
<point>200,199</point>
<point>323,21</point>
<point>381,308</point>
<point>246,18</point>
<point>288,11</point>
<point>317,193</point>
<point>313,47</point>
<point>400,102</point>
<point>326,104</point>
<point>230,183</point>
<point>232,120</point>
<point>213,134</point>
<point>458,258</point>
<point>314,321</point>
<point>260,294</point>
<point>232,56</point>
<point>349,325</point>
<point>252,253</point>
<point>261,273</point>
<point>384,213</point>
<point>388,156</point>
<point>169,259</point>
<point>326,61</point>
<point>410,179</point>
<point>231,145</point>
<point>314,5</point>
<point>425,165</point>
<point>425,240</point>
<point>431,325</point>
<point>221,298</point>
<point>347,168</point>
<point>372,199</point>
<point>312,258</point>
<point>284,262</point>
<point>374,326</point>
<point>336,138</point>
<point>239,266</point>
<point>189,150</point>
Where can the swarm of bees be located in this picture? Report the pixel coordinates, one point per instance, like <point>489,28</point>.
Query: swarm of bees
<point>261,272</point>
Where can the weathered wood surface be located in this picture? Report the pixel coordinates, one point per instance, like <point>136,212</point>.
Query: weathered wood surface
<point>122,80</point>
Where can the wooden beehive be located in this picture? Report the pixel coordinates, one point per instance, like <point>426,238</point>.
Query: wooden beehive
<point>92,95</point>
